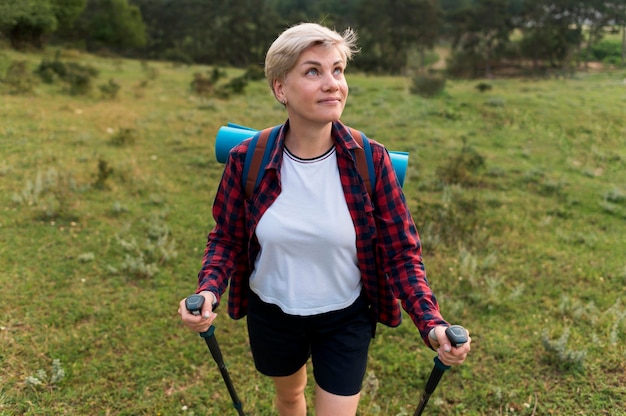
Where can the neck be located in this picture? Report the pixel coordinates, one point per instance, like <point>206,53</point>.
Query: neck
<point>310,141</point>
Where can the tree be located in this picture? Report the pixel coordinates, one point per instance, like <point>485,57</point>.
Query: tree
<point>617,14</point>
<point>480,33</point>
<point>113,24</point>
<point>28,22</point>
<point>591,16</point>
<point>390,28</point>
<point>550,31</point>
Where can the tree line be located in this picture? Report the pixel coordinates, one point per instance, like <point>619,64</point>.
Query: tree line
<point>484,35</point>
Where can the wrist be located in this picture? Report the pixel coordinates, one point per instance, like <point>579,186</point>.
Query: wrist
<point>432,337</point>
<point>213,297</point>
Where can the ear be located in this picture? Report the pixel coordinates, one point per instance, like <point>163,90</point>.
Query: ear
<point>278,90</point>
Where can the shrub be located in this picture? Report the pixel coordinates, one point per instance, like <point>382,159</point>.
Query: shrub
<point>176,55</point>
<point>428,85</point>
<point>151,72</point>
<point>234,86</point>
<point>255,73</point>
<point>606,49</point>
<point>77,77</point>
<point>202,85</point>
<point>483,86</point>
<point>18,79</point>
<point>104,172</point>
<point>456,218</point>
<point>52,194</point>
<point>110,89</point>
<point>142,261</point>
<point>124,137</point>
<point>461,168</point>
<point>42,379</point>
<point>564,358</point>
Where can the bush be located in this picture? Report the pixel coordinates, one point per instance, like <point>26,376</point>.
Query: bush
<point>176,55</point>
<point>18,79</point>
<point>461,168</point>
<point>428,85</point>
<point>52,194</point>
<point>255,73</point>
<point>77,77</point>
<point>110,89</point>
<point>606,49</point>
<point>124,137</point>
<point>483,86</point>
<point>456,218</point>
<point>201,84</point>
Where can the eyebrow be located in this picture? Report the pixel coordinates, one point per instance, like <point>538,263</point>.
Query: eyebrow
<point>340,61</point>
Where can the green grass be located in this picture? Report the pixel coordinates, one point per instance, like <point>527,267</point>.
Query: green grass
<point>528,253</point>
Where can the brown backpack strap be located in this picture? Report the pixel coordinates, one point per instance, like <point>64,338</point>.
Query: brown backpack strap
<point>257,159</point>
<point>361,160</point>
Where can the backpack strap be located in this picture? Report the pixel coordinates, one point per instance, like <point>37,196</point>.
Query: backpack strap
<point>257,157</point>
<point>364,160</point>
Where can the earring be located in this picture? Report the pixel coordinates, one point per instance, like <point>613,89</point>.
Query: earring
<point>283,101</point>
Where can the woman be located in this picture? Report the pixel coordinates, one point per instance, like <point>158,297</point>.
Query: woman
<point>311,259</point>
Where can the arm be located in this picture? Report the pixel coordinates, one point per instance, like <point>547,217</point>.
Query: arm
<point>399,249</point>
<point>228,239</point>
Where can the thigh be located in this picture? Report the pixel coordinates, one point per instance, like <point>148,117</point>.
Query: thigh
<point>328,404</point>
<point>339,349</point>
<point>278,341</point>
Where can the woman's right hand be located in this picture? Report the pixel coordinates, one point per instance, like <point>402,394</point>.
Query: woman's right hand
<point>202,322</point>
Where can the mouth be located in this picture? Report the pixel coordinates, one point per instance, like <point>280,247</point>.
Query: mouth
<point>331,100</point>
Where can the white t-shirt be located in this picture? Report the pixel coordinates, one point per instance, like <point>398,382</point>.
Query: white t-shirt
<point>308,262</point>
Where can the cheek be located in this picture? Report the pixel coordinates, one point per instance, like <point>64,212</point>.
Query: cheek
<point>345,89</point>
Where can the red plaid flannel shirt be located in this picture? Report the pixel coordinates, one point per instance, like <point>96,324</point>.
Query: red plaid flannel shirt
<point>388,245</point>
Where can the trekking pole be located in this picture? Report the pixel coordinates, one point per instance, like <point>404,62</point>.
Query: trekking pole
<point>194,305</point>
<point>457,336</point>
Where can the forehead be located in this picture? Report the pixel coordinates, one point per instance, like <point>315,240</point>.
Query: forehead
<point>321,54</point>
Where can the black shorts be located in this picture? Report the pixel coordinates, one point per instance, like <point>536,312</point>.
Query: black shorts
<point>337,343</point>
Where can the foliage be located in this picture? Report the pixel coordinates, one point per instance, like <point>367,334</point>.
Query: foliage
<point>76,76</point>
<point>606,50</point>
<point>567,358</point>
<point>461,168</point>
<point>255,73</point>
<point>388,32</point>
<point>110,89</point>
<point>177,55</point>
<point>41,379</point>
<point>27,22</point>
<point>104,173</point>
<point>124,137</point>
<point>428,85</point>
<point>487,36</point>
<point>19,79</point>
<point>142,261</point>
<point>113,24</point>
<point>53,194</point>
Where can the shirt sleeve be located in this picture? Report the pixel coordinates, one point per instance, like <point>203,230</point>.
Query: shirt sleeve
<point>400,251</point>
<point>228,240</point>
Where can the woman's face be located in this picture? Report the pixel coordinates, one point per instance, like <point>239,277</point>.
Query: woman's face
<point>315,90</point>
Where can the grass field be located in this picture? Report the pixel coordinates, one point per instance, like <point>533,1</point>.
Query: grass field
<point>519,193</point>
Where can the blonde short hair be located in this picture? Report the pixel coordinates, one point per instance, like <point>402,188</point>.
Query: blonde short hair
<point>284,52</point>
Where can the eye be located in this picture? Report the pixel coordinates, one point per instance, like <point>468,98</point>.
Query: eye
<point>338,71</point>
<point>312,71</point>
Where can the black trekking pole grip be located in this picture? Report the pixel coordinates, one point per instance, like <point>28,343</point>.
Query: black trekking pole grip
<point>457,336</point>
<point>194,305</point>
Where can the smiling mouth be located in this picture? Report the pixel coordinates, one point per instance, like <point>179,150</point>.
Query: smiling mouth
<point>330,100</point>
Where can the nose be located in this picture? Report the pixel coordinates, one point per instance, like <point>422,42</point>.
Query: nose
<point>330,83</point>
